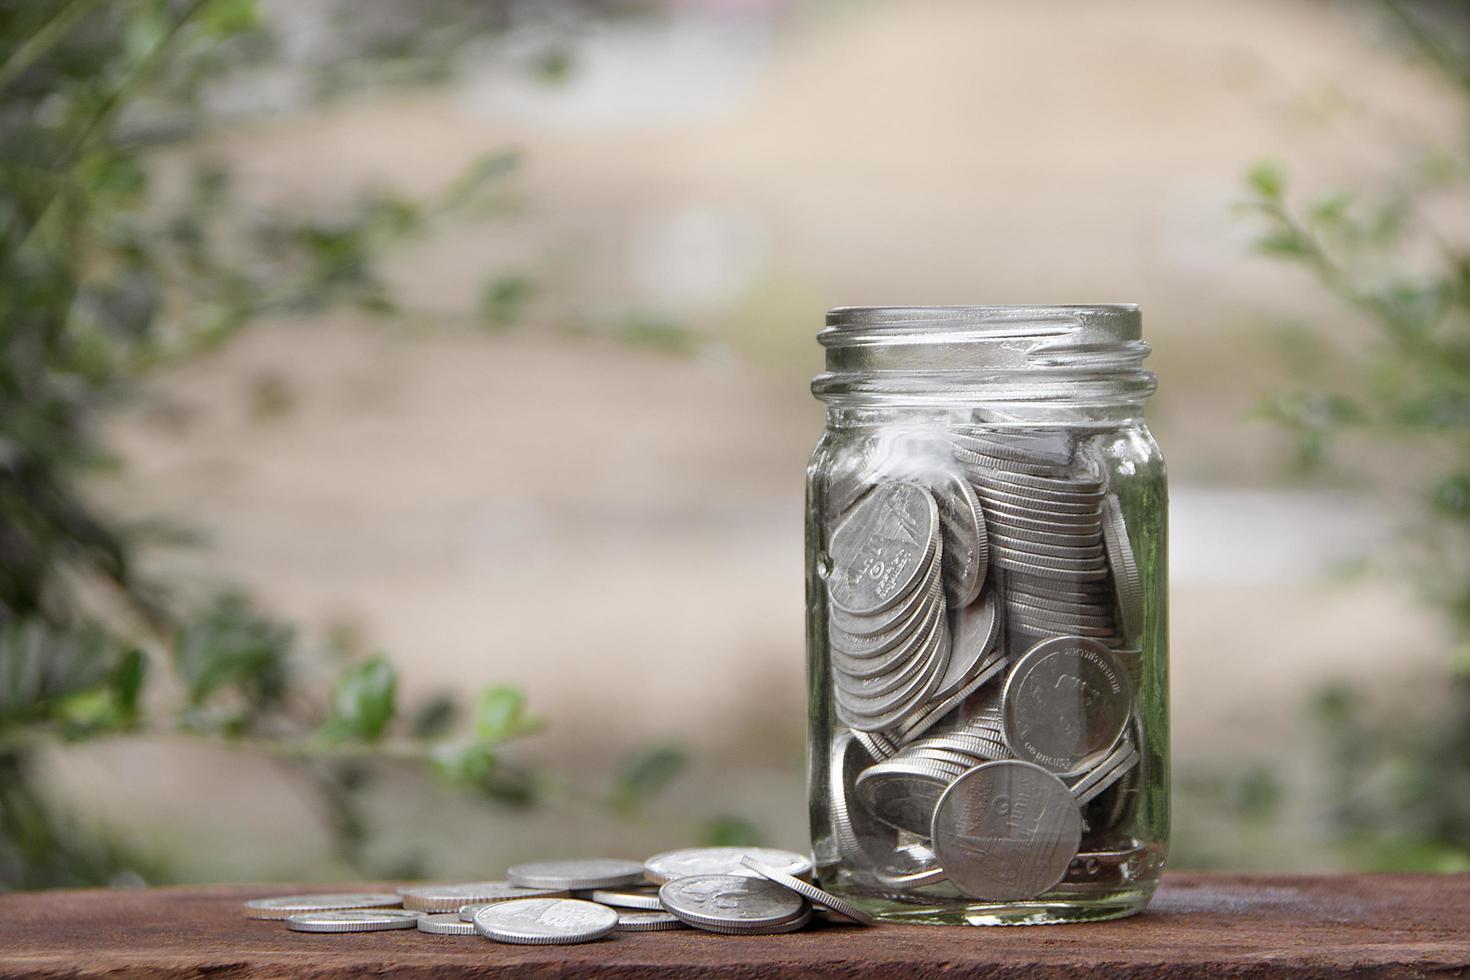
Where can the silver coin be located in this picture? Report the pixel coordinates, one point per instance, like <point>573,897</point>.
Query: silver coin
<point>622,898</point>
<point>649,921</point>
<point>1066,701</point>
<point>866,715</point>
<point>877,745</point>
<point>1085,479</point>
<point>1107,773</point>
<point>853,828</point>
<point>745,901</point>
<point>931,575</point>
<point>579,873</point>
<point>453,897</point>
<point>918,867</point>
<point>1050,449</point>
<point>705,861</point>
<point>879,551</point>
<point>812,893</point>
<point>1063,571</point>
<point>990,493</point>
<point>545,921</point>
<point>872,686</point>
<point>352,920</point>
<point>966,549</point>
<point>934,753</point>
<point>1087,551</point>
<point>1006,831</point>
<point>1021,537</point>
<point>1044,491</point>
<point>1127,582</point>
<point>999,521</point>
<point>903,792</point>
<point>445,924</point>
<point>1062,607</point>
<point>280,908</point>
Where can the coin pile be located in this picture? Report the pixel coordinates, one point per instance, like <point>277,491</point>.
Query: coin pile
<point>984,607</point>
<point>731,890</point>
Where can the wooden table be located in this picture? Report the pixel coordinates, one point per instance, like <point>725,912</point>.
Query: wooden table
<point>1199,925</point>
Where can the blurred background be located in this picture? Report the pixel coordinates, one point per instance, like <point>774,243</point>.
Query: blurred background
<point>403,408</point>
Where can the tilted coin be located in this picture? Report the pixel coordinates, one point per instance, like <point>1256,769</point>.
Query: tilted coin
<point>648,921</point>
<point>867,652</point>
<point>877,715</point>
<point>1006,831</point>
<point>962,522</point>
<point>280,908</point>
<point>1051,449</point>
<point>1067,700</point>
<point>545,921</point>
<point>453,897</point>
<point>973,632</point>
<point>812,893</point>
<point>878,552</point>
<point>705,861</point>
<point>580,873</point>
<point>1108,772</point>
<point>855,831</point>
<point>876,696</point>
<point>990,670</point>
<point>903,792</point>
<point>869,685</point>
<point>1127,581</point>
<point>916,866</point>
<point>622,898</point>
<point>877,745</point>
<point>352,920</point>
<point>1052,507</point>
<point>747,901</point>
<point>445,924</point>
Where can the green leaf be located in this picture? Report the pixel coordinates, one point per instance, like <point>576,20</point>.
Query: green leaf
<point>434,717</point>
<point>644,773</point>
<point>1267,179</point>
<point>730,830</point>
<point>500,714</point>
<point>363,701</point>
<point>503,299</point>
<point>231,647</point>
<point>471,763</point>
<point>1284,243</point>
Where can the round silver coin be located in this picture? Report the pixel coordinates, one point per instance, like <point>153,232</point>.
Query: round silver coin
<point>352,920</point>
<point>445,924</point>
<point>648,921</point>
<point>879,551</point>
<point>854,828</point>
<point>748,901</point>
<point>930,581</point>
<point>902,792</point>
<point>972,634</point>
<point>705,861</point>
<point>791,925</point>
<point>577,873</point>
<point>288,905</point>
<point>812,893</point>
<point>545,921</point>
<point>452,898</point>
<point>962,522</point>
<point>1006,831</point>
<point>1066,701</point>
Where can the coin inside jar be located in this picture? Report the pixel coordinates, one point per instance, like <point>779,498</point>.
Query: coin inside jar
<point>879,551</point>
<point>1066,701</point>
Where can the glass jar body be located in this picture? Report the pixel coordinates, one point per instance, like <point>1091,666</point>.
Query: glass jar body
<point>987,661</point>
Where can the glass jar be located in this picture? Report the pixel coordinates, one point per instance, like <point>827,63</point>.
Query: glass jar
<point>986,616</point>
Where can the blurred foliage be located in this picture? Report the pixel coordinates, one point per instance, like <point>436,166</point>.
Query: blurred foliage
<point>107,271</point>
<point>1400,793</point>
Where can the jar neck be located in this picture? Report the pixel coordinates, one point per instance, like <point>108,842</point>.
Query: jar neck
<point>1022,365</point>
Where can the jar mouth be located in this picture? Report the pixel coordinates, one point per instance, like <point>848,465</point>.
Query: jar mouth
<point>1073,354</point>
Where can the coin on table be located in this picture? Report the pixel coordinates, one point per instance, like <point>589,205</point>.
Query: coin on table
<point>640,920</point>
<point>1006,831</point>
<point>622,898</point>
<point>1127,582</point>
<point>578,873</point>
<point>746,903</point>
<point>1066,701</point>
<point>545,921</point>
<point>706,861</point>
<point>812,893</point>
<point>452,898</point>
<point>280,908</point>
<point>352,920</point>
<point>879,551</point>
<point>445,924</point>
<point>791,925</point>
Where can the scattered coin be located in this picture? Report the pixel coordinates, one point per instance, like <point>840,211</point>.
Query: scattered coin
<point>707,861</point>
<point>445,924</point>
<point>280,908</point>
<point>628,898</point>
<point>545,921</point>
<point>352,920</point>
<point>812,893</point>
<point>746,903</point>
<point>580,874</point>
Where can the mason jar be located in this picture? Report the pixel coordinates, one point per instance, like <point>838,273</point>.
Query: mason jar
<point>987,617</point>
